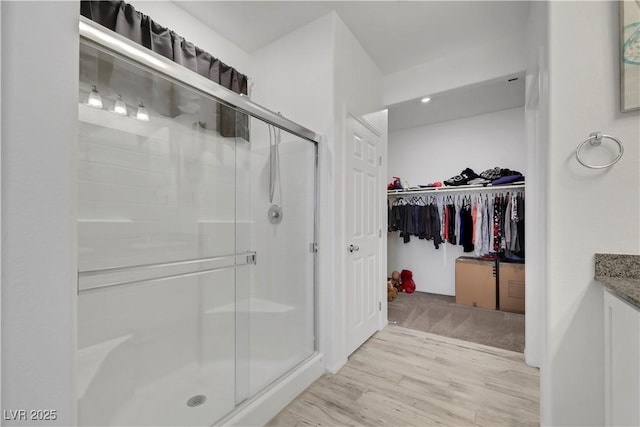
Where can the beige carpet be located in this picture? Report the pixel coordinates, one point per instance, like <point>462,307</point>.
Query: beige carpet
<point>439,314</point>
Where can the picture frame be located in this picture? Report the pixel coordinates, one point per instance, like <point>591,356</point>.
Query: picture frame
<point>629,55</point>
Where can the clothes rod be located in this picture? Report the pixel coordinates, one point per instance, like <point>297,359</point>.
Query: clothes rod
<point>121,46</point>
<point>488,188</point>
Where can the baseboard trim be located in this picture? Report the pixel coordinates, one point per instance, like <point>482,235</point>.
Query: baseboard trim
<point>333,369</point>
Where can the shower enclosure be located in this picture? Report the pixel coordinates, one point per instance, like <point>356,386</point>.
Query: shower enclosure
<point>193,299</point>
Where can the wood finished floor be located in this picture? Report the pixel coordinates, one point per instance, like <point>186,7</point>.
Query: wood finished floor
<point>406,377</point>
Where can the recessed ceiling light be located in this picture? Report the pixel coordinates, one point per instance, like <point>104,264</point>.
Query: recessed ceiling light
<point>425,100</point>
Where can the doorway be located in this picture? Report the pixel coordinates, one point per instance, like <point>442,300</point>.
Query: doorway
<point>452,151</point>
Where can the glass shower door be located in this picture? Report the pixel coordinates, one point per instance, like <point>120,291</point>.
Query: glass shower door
<point>157,252</point>
<point>279,213</point>
<point>193,297</point>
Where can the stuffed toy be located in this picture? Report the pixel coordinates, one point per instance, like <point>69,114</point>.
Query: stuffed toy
<point>393,286</point>
<point>408,285</point>
<point>391,291</point>
<point>395,280</point>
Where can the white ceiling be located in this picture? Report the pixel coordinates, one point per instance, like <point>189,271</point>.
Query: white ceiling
<point>486,97</point>
<point>396,34</point>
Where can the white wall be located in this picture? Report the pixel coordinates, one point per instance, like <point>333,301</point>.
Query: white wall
<point>168,14</point>
<point>588,211</point>
<point>357,92</point>
<point>436,152</point>
<point>39,136</point>
<point>461,68</point>
<point>294,75</point>
<point>357,77</point>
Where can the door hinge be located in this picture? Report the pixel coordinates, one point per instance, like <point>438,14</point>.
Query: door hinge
<point>380,161</point>
<point>379,305</point>
<point>314,247</point>
<point>380,233</point>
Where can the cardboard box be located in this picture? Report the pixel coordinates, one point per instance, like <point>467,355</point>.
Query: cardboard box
<point>511,285</point>
<point>476,282</point>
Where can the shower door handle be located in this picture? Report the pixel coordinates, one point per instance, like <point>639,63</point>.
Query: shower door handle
<point>354,248</point>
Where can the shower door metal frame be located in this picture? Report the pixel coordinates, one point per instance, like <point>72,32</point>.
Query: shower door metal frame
<point>115,44</point>
<point>121,46</point>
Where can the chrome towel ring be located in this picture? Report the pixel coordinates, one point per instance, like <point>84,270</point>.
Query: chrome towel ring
<point>595,139</point>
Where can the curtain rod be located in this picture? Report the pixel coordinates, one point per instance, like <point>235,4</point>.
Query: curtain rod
<point>478,188</point>
<point>122,46</point>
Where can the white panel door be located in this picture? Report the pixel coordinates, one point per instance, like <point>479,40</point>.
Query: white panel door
<point>362,233</point>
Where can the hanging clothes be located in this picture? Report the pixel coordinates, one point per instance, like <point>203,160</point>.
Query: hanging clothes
<point>503,211</point>
<point>422,222</point>
<point>445,235</point>
<point>485,249</point>
<point>434,227</point>
<point>507,225</point>
<point>496,224</point>
<point>393,221</point>
<point>392,224</point>
<point>478,225</point>
<point>474,218</point>
<point>407,229</point>
<point>490,225</point>
<point>520,225</point>
<point>451,223</point>
<point>458,223</point>
<point>513,218</point>
<point>486,224</point>
<point>466,227</point>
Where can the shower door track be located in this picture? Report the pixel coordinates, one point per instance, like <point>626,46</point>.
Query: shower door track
<point>100,36</point>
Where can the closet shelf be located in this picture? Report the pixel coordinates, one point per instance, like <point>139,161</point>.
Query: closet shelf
<point>467,188</point>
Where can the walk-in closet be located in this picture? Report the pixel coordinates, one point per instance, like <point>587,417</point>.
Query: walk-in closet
<point>455,204</point>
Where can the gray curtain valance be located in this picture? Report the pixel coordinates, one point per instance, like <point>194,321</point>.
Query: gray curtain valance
<point>122,18</point>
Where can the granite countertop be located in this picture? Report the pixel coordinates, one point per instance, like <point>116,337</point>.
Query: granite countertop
<point>621,275</point>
